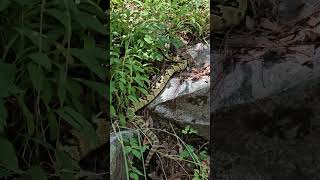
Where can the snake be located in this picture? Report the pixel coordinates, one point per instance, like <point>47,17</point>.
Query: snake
<point>78,146</point>
<point>227,14</point>
<point>179,64</point>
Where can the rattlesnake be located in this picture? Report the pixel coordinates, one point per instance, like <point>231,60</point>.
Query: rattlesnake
<point>180,63</point>
<point>79,147</point>
<point>226,14</point>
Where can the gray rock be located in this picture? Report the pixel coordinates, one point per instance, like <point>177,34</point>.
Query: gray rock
<point>117,160</point>
<point>186,103</point>
<point>266,116</point>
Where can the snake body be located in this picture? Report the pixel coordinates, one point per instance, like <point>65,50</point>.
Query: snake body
<point>228,13</point>
<point>179,65</point>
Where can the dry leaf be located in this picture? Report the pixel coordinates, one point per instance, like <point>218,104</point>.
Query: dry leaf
<point>313,21</point>
<point>267,24</point>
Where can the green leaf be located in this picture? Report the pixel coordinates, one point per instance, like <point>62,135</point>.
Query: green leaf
<point>37,76</point>
<point>89,42</point>
<point>148,39</point>
<point>61,16</point>
<point>7,75</point>
<point>47,92</point>
<point>76,120</point>
<point>74,123</point>
<point>127,149</point>
<point>66,163</point>
<point>137,171</point>
<point>7,155</point>
<point>90,61</point>
<point>100,88</point>
<point>34,37</point>
<point>91,22</point>
<point>122,120</point>
<point>53,126</point>
<point>37,173</point>
<point>138,80</point>
<point>41,59</point>
<point>3,116</point>
<point>134,176</point>
<point>136,153</point>
<point>112,111</point>
<point>74,90</point>
<point>62,85</point>
<point>145,92</point>
<point>4,4</point>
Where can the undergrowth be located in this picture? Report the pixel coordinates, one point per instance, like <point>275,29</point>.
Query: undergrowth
<point>140,33</point>
<point>51,80</point>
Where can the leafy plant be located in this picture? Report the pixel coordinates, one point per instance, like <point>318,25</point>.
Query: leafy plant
<point>135,148</point>
<point>140,32</point>
<point>189,130</point>
<point>51,79</point>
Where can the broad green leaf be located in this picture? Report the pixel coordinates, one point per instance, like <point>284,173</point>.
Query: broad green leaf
<point>90,61</point>
<point>34,37</point>
<point>100,88</point>
<point>134,176</point>
<point>37,173</point>
<point>7,75</point>
<point>4,4</point>
<point>7,155</point>
<point>41,59</point>
<point>68,118</point>
<point>148,39</point>
<point>61,16</point>
<point>136,153</point>
<point>127,149</point>
<point>76,120</point>
<point>3,116</point>
<point>91,22</point>
<point>37,76</point>
<point>74,90</point>
<point>138,80</point>
<point>137,171</point>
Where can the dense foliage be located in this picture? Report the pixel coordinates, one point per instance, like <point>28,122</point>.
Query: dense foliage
<point>51,79</point>
<point>140,32</point>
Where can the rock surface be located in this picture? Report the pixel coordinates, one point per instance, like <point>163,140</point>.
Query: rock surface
<point>265,119</point>
<point>117,163</point>
<point>186,103</point>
